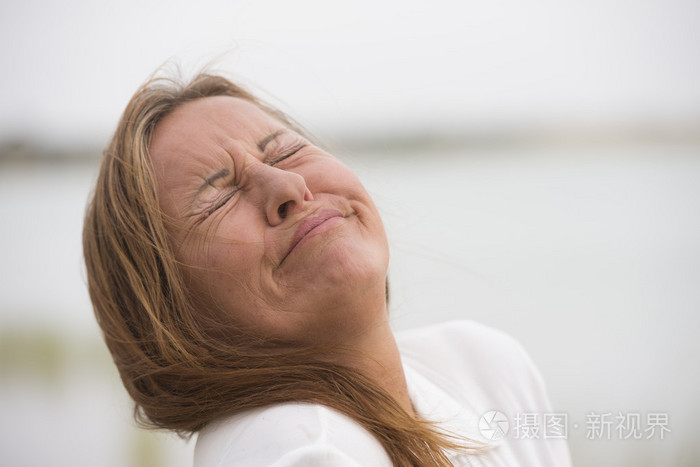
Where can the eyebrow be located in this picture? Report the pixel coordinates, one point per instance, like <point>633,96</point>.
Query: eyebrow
<point>266,140</point>
<point>210,180</point>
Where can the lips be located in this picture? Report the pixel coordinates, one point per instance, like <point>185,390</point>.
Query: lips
<point>310,224</point>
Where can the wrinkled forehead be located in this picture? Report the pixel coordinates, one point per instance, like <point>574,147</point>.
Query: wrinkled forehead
<point>211,121</point>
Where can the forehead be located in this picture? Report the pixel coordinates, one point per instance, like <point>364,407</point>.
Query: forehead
<point>211,121</point>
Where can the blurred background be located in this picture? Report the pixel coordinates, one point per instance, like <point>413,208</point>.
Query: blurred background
<point>537,164</point>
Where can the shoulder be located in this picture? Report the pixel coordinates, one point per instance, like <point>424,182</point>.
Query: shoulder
<point>466,341</point>
<point>469,354</point>
<point>457,329</point>
<point>288,434</point>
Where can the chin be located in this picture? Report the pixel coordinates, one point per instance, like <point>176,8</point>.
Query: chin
<point>353,268</point>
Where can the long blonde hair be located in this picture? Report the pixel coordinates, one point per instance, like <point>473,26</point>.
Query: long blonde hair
<point>181,376</point>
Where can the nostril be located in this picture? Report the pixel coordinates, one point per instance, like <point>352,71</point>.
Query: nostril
<point>282,210</point>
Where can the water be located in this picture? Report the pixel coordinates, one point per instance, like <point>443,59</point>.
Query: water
<point>588,255</point>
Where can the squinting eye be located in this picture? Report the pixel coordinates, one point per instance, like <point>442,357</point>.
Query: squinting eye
<point>219,203</point>
<point>288,153</point>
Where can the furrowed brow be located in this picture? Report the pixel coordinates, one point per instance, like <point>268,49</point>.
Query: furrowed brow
<point>266,140</point>
<point>210,180</point>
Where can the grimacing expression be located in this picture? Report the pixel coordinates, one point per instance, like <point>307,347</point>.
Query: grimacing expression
<point>272,231</point>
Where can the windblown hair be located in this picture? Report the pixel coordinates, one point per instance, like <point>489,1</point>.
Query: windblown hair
<point>180,375</point>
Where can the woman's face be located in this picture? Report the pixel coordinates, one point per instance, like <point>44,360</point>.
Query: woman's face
<point>272,231</point>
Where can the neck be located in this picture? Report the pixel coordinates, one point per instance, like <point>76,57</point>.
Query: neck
<point>365,341</point>
<point>376,355</point>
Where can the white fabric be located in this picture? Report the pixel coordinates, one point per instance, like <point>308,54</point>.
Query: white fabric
<point>456,372</point>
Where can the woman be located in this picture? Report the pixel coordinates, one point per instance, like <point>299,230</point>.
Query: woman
<point>238,272</point>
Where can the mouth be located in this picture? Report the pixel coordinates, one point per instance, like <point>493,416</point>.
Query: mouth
<point>310,225</point>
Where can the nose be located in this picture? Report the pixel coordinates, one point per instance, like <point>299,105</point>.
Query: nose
<point>279,193</point>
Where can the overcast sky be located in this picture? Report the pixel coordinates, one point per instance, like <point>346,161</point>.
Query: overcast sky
<point>68,68</point>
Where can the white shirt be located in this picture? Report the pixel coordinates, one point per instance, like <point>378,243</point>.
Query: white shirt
<point>456,373</point>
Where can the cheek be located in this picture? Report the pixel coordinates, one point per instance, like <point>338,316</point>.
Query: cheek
<point>229,243</point>
<point>339,179</point>
<point>220,268</point>
<point>231,263</point>
<point>222,285</point>
<point>335,177</point>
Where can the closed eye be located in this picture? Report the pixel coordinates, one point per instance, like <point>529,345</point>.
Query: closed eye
<point>280,157</point>
<point>288,153</point>
<point>220,202</point>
